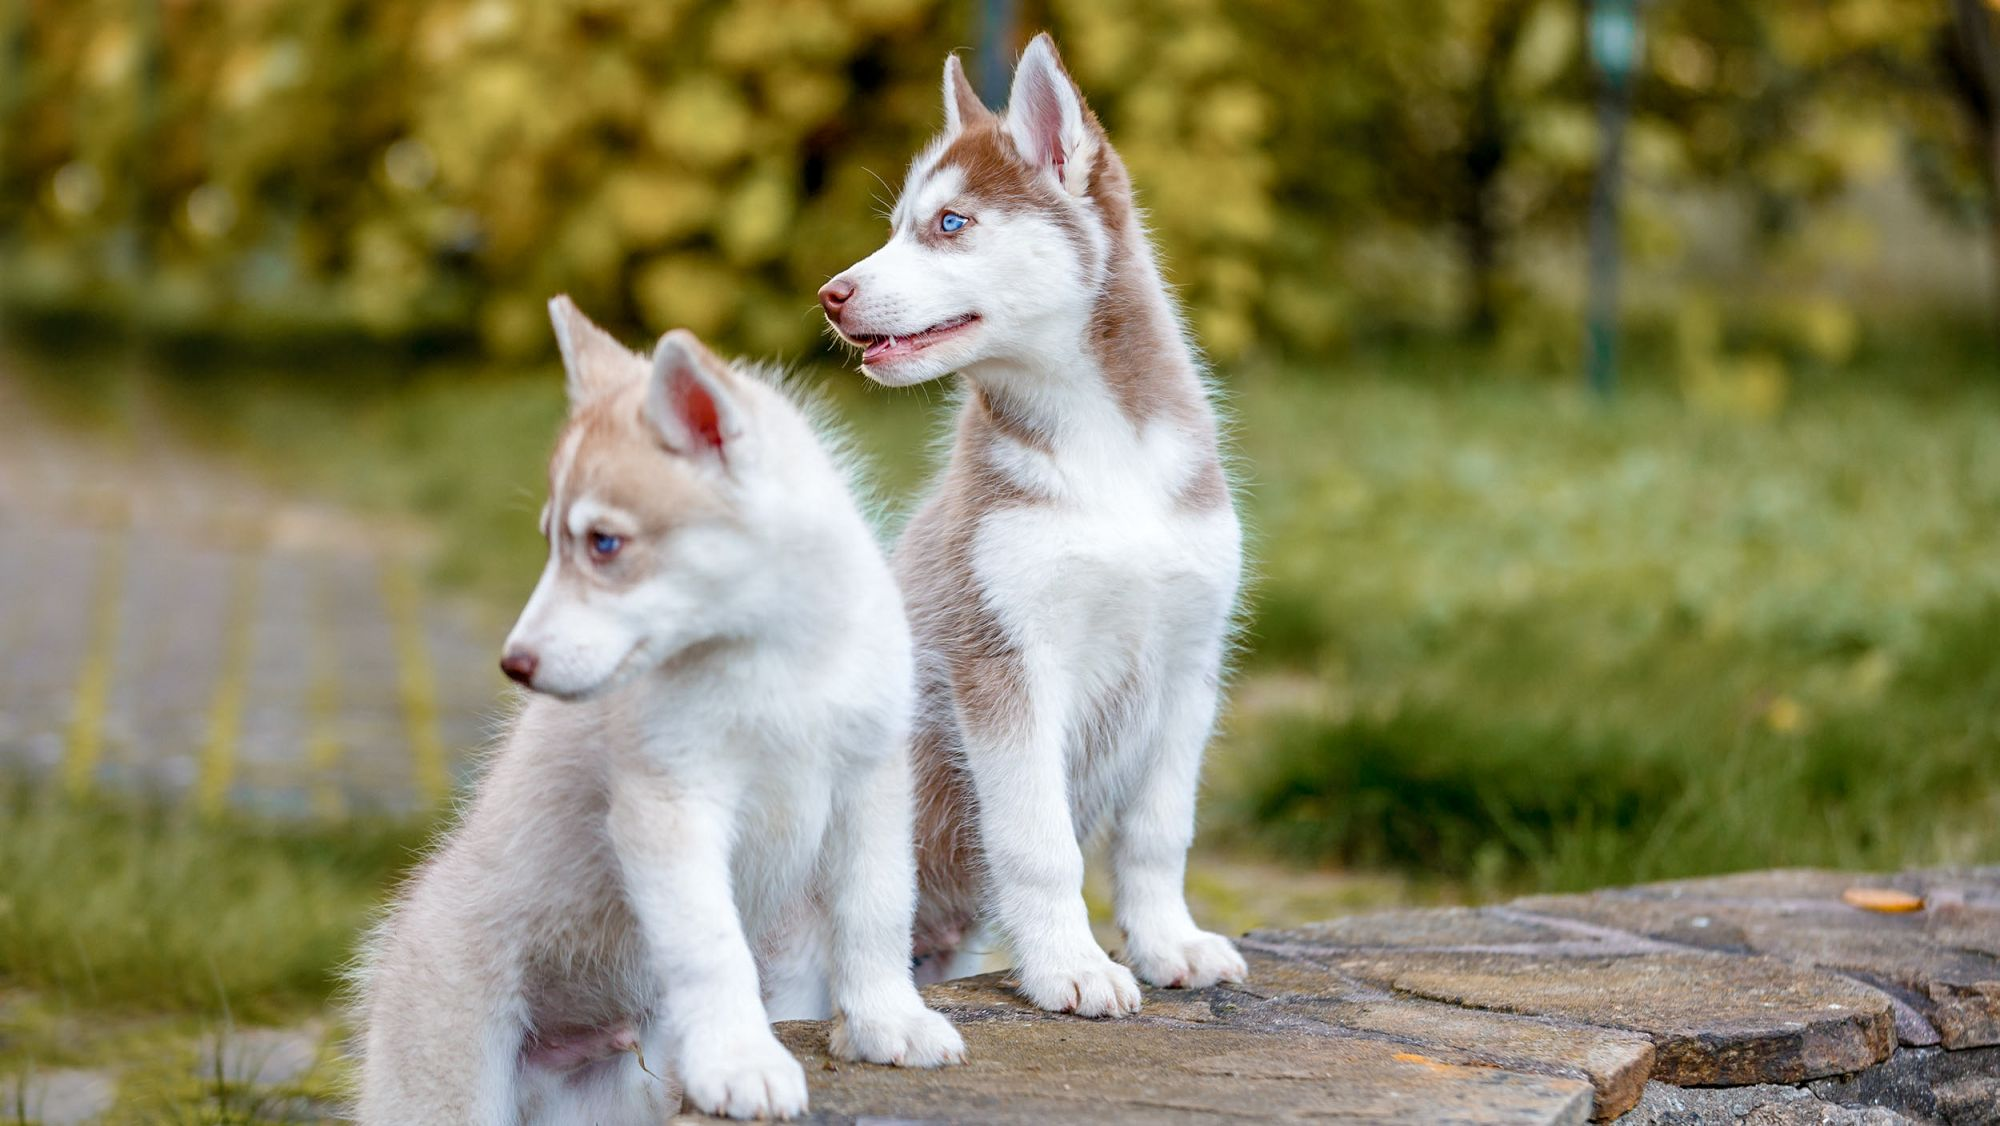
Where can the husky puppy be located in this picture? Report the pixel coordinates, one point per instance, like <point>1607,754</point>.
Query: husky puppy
<point>700,822</point>
<point>1072,576</point>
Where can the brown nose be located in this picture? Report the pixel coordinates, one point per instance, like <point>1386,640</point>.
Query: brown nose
<point>519,667</point>
<point>833,297</point>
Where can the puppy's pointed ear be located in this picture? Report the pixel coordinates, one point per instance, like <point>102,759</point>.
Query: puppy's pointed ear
<point>592,358</point>
<point>962,107</point>
<point>691,400</point>
<point>1047,120</point>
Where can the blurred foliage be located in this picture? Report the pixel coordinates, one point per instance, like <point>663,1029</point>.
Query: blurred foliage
<point>441,166</point>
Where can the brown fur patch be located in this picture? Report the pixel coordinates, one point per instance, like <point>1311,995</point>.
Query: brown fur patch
<point>996,177</point>
<point>1207,489</point>
<point>617,459</point>
<point>970,674</point>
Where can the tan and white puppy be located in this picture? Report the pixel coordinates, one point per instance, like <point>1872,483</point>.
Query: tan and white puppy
<point>700,821</point>
<point>1072,576</point>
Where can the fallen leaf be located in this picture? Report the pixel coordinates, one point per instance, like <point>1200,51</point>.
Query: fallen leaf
<point>1887,900</point>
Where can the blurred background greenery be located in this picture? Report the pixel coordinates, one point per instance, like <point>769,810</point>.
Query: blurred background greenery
<point>1505,634</point>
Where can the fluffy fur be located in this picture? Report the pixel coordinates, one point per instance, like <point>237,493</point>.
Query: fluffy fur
<point>1072,576</point>
<point>700,822</point>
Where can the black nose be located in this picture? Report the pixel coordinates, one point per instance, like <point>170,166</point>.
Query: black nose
<point>834,296</point>
<point>519,667</point>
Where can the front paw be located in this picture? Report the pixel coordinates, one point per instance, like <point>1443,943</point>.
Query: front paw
<point>748,1076</point>
<point>917,1037</point>
<point>1094,988</point>
<point>1195,961</point>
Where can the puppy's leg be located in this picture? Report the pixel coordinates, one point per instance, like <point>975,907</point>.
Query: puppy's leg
<point>1034,865</point>
<point>437,1051</point>
<point>673,853</point>
<point>1151,836</point>
<point>870,876</point>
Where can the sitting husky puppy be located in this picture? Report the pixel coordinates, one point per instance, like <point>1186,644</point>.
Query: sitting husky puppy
<point>1072,576</point>
<point>701,823</point>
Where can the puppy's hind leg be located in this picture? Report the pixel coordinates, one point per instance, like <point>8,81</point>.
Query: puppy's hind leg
<point>445,1063</point>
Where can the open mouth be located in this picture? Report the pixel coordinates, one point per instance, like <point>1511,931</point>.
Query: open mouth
<point>876,348</point>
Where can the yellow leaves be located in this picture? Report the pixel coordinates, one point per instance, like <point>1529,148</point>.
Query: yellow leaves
<point>653,204</point>
<point>799,96</point>
<point>488,22</point>
<point>1232,113</point>
<point>753,34</point>
<point>689,290</point>
<point>1547,44</point>
<point>514,325</point>
<point>256,71</point>
<point>112,56</point>
<point>386,276</point>
<point>1224,333</point>
<point>1685,61</point>
<point>1826,328</point>
<point>702,120</point>
<point>1564,136</point>
<point>757,216</point>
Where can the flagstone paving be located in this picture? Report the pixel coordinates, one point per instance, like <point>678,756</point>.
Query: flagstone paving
<point>1551,1010</point>
<point>168,628</point>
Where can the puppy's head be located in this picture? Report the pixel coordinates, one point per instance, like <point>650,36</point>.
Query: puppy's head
<point>643,528</point>
<point>998,240</point>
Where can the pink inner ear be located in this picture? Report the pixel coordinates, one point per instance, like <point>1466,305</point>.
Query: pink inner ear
<point>696,408</point>
<point>1045,121</point>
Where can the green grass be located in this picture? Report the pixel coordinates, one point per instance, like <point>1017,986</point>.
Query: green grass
<point>1555,644</point>
<point>144,909</point>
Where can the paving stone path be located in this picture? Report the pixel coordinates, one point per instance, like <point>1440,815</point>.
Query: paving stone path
<point>169,628</point>
<point>1760,998</point>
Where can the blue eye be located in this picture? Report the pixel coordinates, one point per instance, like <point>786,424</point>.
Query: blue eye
<point>951,222</point>
<point>604,545</point>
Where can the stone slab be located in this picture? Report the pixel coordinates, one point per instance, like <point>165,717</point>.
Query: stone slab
<point>1713,1019</point>
<point>59,1097</point>
<point>1060,1070</point>
<point>1614,1062</point>
<point>1665,1105</point>
<point>1297,996</point>
<point>264,1057</point>
<point>1960,1088</point>
<point>1799,916</point>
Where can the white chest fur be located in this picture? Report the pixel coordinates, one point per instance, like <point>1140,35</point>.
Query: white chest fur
<point>1112,575</point>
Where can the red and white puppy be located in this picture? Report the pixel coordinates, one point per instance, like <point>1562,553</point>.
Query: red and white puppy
<point>1072,576</point>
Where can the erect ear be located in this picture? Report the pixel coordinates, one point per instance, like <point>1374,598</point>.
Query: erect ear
<point>962,106</point>
<point>592,358</point>
<point>1047,119</point>
<point>690,399</point>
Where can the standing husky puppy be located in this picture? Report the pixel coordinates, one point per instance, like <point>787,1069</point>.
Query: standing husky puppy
<point>1072,575</point>
<point>706,809</point>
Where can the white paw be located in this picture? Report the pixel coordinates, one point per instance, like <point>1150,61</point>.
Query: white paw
<point>750,1076</point>
<point>1100,988</point>
<point>1196,961</point>
<point>916,1037</point>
